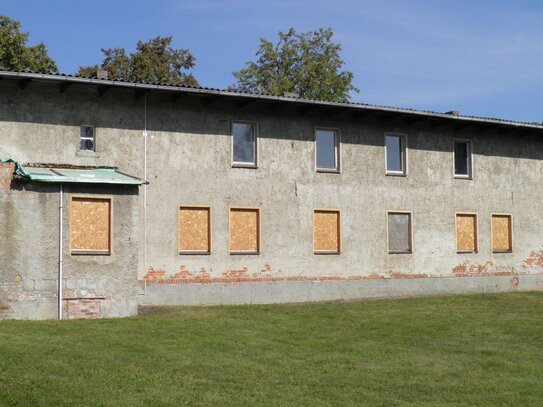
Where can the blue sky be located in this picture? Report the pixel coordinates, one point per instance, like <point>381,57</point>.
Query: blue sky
<point>481,57</point>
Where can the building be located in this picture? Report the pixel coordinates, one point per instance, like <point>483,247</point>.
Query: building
<point>254,199</point>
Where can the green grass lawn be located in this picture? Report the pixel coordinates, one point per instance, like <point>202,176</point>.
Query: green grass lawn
<point>469,350</point>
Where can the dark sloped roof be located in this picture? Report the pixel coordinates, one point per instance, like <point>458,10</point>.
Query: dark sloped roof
<point>286,99</point>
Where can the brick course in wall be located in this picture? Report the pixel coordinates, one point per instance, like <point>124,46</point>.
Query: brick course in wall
<point>88,308</point>
<point>6,175</point>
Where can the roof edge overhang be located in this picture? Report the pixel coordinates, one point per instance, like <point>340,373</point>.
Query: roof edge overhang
<point>66,174</point>
<point>264,97</point>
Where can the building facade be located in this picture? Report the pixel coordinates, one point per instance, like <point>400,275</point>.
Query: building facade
<point>260,199</point>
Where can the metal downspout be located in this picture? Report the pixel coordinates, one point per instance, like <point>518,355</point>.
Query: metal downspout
<point>60,247</point>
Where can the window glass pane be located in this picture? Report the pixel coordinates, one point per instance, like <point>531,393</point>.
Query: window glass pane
<point>86,144</point>
<point>244,143</point>
<point>461,158</point>
<point>394,153</point>
<point>87,132</point>
<point>399,232</point>
<point>326,149</point>
<point>86,138</point>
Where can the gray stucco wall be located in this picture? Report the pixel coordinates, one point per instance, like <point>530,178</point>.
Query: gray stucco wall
<point>189,162</point>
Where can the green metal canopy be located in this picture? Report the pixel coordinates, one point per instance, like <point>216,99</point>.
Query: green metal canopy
<point>76,175</point>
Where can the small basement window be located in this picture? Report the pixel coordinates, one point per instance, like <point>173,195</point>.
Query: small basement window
<point>86,138</point>
<point>502,235</point>
<point>466,233</point>
<point>244,230</point>
<point>243,144</point>
<point>194,230</point>
<point>399,232</point>
<point>462,159</point>
<point>395,154</point>
<point>326,231</point>
<point>90,225</point>
<point>327,150</point>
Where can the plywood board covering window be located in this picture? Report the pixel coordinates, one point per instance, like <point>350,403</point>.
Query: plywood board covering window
<point>501,233</point>
<point>194,229</point>
<point>244,230</point>
<point>90,225</point>
<point>326,231</point>
<point>466,232</point>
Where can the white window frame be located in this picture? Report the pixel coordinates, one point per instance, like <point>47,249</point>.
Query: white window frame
<point>337,149</point>
<point>470,159</point>
<point>403,141</point>
<point>88,138</point>
<point>242,164</point>
<point>411,240</point>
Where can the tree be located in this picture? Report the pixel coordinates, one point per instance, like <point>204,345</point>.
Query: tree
<point>307,64</point>
<point>154,61</point>
<point>15,55</point>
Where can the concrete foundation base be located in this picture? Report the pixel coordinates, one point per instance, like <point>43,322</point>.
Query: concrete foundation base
<point>313,291</point>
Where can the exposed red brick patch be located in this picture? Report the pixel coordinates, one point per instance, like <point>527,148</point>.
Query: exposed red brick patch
<point>535,259</point>
<point>235,273</point>
<point>241,276</point>
<point>513,283</point>
<point>153,274</point>
<point>374,277</point>
<point>467,269</point>
<point>6,175</point>
<point>83,308</point>
<point>183,273</point>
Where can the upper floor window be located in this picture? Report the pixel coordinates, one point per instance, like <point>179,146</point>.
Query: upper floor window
<point>86,138</point>
<point>243,144</point>
<point>462,159</point>
<point>395,154</point>
<point>327,150</point>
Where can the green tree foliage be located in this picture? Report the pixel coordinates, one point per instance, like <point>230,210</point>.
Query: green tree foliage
<point>16,55</point>
<point>154,61</point>
<point>308,64</point>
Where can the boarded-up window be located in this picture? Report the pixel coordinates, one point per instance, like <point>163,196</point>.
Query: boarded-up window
<point>326,231</point>
<point>501,233</point>
<point>466,232</point>
<point>90,225</point>
<point>399,232</point>
<point>194,229</point>
<point>244,230</point>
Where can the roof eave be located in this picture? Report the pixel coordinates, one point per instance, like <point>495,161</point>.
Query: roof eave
<point>285,99</point>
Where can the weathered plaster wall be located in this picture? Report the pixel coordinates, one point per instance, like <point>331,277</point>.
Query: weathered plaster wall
<point>189,155</point>
<point>94,286</point>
